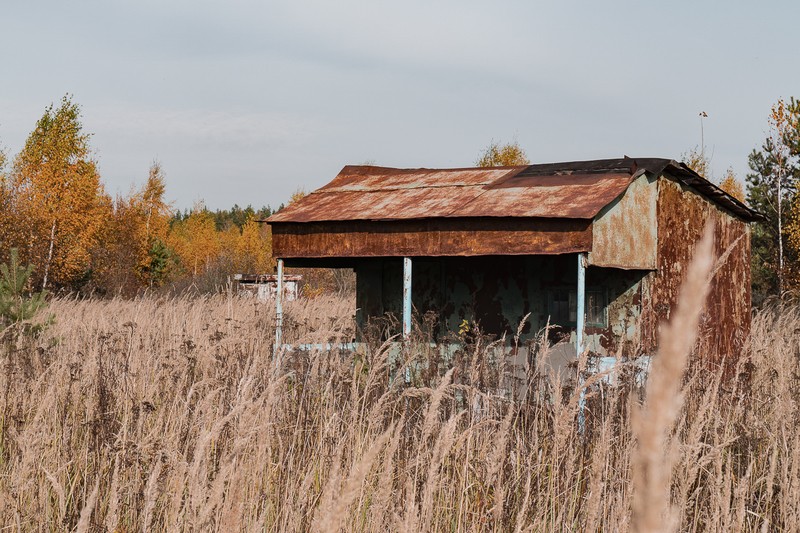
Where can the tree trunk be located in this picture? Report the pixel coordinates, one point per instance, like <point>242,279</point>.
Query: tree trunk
<point>49,254</point>
<point>147,222</point>
<point>780,233</point>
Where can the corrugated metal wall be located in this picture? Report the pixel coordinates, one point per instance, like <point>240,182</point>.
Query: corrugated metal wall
<point>682,215</point>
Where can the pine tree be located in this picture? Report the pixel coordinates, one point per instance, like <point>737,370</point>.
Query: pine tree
<point>163,263</point>
<point>771,188</point>
<point>16,304</point>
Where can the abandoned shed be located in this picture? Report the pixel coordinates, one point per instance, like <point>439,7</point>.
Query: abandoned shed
<point>596,248</point>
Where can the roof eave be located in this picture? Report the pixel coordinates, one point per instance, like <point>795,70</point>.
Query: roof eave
<point>713,192</point>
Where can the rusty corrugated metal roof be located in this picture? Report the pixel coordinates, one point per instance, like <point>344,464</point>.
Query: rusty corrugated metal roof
<point>375,193</point>
<point>547,196</point>
<point>556,190</point>
<point>371,178</point>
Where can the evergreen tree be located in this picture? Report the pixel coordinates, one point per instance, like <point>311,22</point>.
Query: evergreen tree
<point>163,263</point>
<point>771,189</point>
<point>16,304</point>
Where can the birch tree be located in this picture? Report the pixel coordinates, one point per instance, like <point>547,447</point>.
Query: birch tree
<point>6,223</point>
<point>697,160</point>
<point>196,241</point>
<point>731,185</point>
<point>57,187</point>
<point>502,155</point>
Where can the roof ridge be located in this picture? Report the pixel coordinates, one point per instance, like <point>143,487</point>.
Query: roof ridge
<point>345,188</point>
<point>438,169</point>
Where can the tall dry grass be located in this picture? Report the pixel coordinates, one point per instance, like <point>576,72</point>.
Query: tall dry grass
<point>172,415</point>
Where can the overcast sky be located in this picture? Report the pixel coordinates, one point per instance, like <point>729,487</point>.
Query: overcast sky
<point>243,102</point>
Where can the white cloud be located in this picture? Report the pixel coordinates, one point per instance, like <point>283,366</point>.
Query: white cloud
<point>220,130</point>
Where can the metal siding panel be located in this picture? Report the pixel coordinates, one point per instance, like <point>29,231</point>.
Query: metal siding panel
<point>622,335</point>
<point>625,234</point>
<point>725,324</point>
<point>450,237</point>
<point>483,290</point>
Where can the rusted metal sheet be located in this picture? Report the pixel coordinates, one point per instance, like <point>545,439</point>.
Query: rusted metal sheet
<point>392,204</point>
<point>725,325</point>
<point>495,294</point>
<point>624,234</point>
<point>373,193</point>
<point>378,193</point>
<point>372,178</point>
<point>552,196</point>
<point>622,332</point>
<point>436,237</point>
<point>705,188</point>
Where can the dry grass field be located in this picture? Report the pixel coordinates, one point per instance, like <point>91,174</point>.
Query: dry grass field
<point>172,415</point>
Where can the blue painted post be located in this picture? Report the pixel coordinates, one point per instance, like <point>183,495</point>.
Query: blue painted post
<point>279,308</point>
<point>581,304</point>
<point>579,330</point>
<point>406,297</point>
<point>406,311</point>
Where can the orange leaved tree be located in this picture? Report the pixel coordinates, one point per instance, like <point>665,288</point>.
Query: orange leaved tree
<point>254,249</point>
<point>152,213</point>
<point>196,241</point>
<point>731,185</point>
<point>57,192</point>
<point>502,155</point>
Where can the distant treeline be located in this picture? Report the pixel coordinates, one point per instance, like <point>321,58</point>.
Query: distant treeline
<point>227,218</point>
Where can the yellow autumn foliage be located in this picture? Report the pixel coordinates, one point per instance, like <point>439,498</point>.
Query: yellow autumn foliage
<point>502,155</point>
<point>58,198</point>
<point>254,249</point>
<point>697,160</point>
<point>152,213</point>
<point>201,247</point>
<point>195,241</point>
<point>732,186</point>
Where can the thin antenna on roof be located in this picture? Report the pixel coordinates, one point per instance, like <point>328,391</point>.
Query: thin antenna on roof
<point>703,115</point>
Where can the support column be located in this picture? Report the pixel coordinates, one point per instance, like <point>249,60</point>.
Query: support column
<point>279,308</point>
<point>581,304</point>
<point>406,297</point>
<point>579,340</point>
